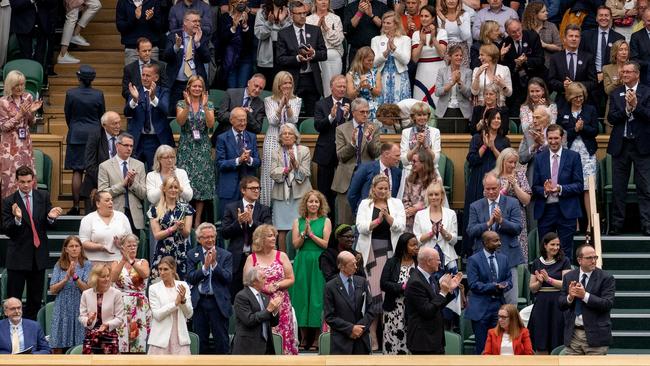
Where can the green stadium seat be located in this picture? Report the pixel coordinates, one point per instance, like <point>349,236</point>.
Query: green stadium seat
<point>43,165</point>
<point>194,343</point>
<point>265,125</point>
<point>277,343</point>
<point>467,335</point>
<point>446,169</point>
<point>76,350</point>
<point>453,343</point>
<point>513,127</point>
<point>266,93</point>
<point>291,251</point>
<point>176,128</point>
<point>558,351</point>
<point>533,246</point>
<point>216,96</point>
<point>324,344</point>
<point>13,48</point>
<point>523,277</point>
<point>307,127</point>
<point>44,317</point>
<point>32,70</point>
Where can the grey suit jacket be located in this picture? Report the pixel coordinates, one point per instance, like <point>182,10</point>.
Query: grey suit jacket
<point>111,179</point>
<point>464,95</point>
<point>347,154</point>
<point>249,317</point>
<point>235,98</point>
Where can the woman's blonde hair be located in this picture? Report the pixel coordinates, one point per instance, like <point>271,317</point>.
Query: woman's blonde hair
<point>486,28</point>
<point>491,51</point>
<point>191,81</point>
<point>399,31</point>
<point>171,263</point>
<point>279,79</point>
<point>160,151</point>
<point>574,90</point>
<point>324,208</point>
<point>614,51</point>
<point>357,62</point>
<point>379,178</point>
<point>14,77</point>
<point>420,108</point>
<point>501,160</point>
<point>437,184</point>
<point>96,272</point>
<point>161,207</point>
<point>259,234</point>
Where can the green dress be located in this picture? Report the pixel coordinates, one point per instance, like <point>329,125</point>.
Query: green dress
<point>307,291</point>
<point>194,154</point>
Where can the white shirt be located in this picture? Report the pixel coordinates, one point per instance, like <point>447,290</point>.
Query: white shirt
<point>579,321</point>
<point>297,30</point>
<point>382,169</point>
<point>600,53</point>
<point>243,136</point>
<point>94,229</point>
<point>506,345</point>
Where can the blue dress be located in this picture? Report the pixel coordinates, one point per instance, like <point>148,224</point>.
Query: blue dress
<point>395,85</point>
<point>67,331</point>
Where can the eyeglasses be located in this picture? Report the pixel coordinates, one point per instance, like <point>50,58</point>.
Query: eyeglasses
<point>125,145</point>
<point>257,188</point>
<point>363,111</point>
<point>592,258</point>
<point>300,14</point>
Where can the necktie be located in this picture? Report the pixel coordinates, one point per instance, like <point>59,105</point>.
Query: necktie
<point>339,114</point>
<point>583,281</point>
<point>603,48</point>
<point>125,170</point>
<point>112,148</point>
<point>432,282</point>
<point>629,124</point>
<point>37,240</point>
<point>265,325</point>
<point>387,173</point>
<point>240,142</point>
<point>246,234</point>
<point>493,205</point>
<point>189,55</point>
<point>147,112</point>
<point>519,48</point>
<point>15,340</point>
<point>554,169</point>
<point>304,65</point>
<point>205,284</point>
<point>359,143</point>
<point>572,67</point>
<point>247,100</point>
<point>350,288</point>
<point>493,268</point>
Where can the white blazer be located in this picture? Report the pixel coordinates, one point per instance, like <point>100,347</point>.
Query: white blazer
<point>364,217</point>
<point>404,150</point>
<point>502,71</point>
<point>422,225</point>
<point>154,183</point>
<point>402,52</point>
<point>162,307</point>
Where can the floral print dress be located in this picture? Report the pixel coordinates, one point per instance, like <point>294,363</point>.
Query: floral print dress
<point>194,154</point>
<point>15,141</point>
<point>275,273</point>
<point>176,245</point>
<point>67,331</point>
<point>132,334</point>
<point>522,181</point>
<point>373,102</point>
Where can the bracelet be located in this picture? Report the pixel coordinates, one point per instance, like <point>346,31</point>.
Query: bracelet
<point>483,148</point>
<point>550,281</point>
<point>75,277</point>
<point>358,14</point>
<point>376,221</point>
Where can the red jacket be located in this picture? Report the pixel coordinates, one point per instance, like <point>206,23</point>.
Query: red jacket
<point>521,345</point>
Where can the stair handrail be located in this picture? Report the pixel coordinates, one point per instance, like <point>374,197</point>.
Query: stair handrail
<point>595,220</point>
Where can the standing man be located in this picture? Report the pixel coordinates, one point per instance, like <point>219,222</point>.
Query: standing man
<point>640,48</point>
<point>237,157</point>
<point>357,141</point>
<point>247,98</point>
<point>329,113</point>
<point>426,296</point>
<point>299,49</point>
<point>348,309</point>
<point>26,214</point>
<point>255,315</point>
<point>148,106</point>
<point>362,22</point>
<point>136,19</point>
<point>587,298</point>
<point>240,220</point>
<point>124,178</point>
<point>494,11</point>
<point>629,113</point>
<point>209,275</point>
<point>186,53</point>
<point>488,277</point>
<point>133,71</point>
<point>557,188</point>
<point>18,334</point>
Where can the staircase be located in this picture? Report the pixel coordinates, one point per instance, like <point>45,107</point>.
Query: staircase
<point>106,55</point>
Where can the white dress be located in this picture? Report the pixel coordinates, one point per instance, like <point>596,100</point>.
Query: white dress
<point>334,41</point>
<point>427,69</point>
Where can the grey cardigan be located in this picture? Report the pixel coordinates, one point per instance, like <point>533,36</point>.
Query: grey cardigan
<point>464,95</point>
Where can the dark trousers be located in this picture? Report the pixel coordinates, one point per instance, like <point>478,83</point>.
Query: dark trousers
<point>324,178</point>
<point>553,220</point>
<point>16,284</point>
<point>146,149</point>
<point>208,318</point>
<point>237,284</point>
<point>307,90</point>
<point>621,165</point>
<point>176,94</point>
<point>480,329</point>
<point>27,49</point>
<point>127,213</point>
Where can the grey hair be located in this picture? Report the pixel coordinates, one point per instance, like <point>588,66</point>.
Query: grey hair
<point>4,303</point>
<point>161,150</point>
<point>489,174</point>
<point>509,22</point>
<point>295,4</point>
<point>124,135</point>
<point>358,102</point>
<point>335,78</point>
<point>293,129</point>
<point>424,254</point>
<point>129,236</point>
<point>251,276</point>
<point>105,116</point>
<point>546,110</point>
<point>204,226</point>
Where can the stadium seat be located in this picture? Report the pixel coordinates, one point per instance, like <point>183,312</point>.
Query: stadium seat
<point>523,276</point>
<point>533,246</point>
<point>266,93</point>
<point>194,343</point>
<point>453,343</point>
<point>44,317</point>
<point>446,169</point>
<point>324,344</point>
<point>291,251</point>
<point>76,350</point>
<point>513,127</point>
<point>43,165</point>
<point>32,70</point>
<point>558,351</point>
<point>176,128</point>
<point>467,335</point>
<point>307,127</point>
<point>606,187</point>
<point>265,125</point>
<point>216,96</point>
<point>277,343</point>
<point>13,48</point>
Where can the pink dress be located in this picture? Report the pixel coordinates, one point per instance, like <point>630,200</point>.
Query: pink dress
<point>15,142</point>
<point>275,273</point>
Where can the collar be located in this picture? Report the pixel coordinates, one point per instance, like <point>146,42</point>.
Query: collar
<point>235,132</point>
<point>382,167</point>
<point>496,200</point>
<point>633,88</point>
<point>488,254</point>
<point>566,52</point>
<point>587,273</point>
<point>109,136</point>
<point>498,10</point>
<point>334,100</point>
<point>426,274</point>
<point>345,278</point>
<point>140,62</point>
<point>246,203</point>
<point>559,153</point>
<point>355,124</point>
<point>297,29</point>
<point>246,95</point>
<point>30,194</point>
<point>254,291</point>
<point>120,161</point>
<point>601,30</point>
<point>19,325</point>
<point>205,250</point>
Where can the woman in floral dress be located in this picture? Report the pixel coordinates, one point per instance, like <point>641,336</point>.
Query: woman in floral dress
<point>364,80</point>
<point>279,278</point>
<point>171,223</point>
<point>130,276</point>
<point>195,115</point>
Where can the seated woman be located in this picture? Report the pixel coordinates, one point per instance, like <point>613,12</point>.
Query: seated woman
<point>101,311</point>
<point>490,101</point>
<point>510,337</point>
<point>171,306</point>
<point>537,95</point>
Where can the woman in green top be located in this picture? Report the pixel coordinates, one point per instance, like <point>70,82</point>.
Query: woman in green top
<point>310,235</point>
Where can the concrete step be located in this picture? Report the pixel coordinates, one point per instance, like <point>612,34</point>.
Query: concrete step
<point>104,41</point>
<point>631,280</point>
<point>98,58</point>
<point>631,339</point>
<point>626,243</point>
<point>632,300</point>
<point>626,261</point>
<point>631,319</point>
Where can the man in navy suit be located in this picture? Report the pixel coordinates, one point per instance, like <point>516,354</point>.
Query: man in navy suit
<point>247,98</point>
<point>240,219</point>
<point>33,19</point>
<point>362,178</point>
<point>148,108</point>
<point>186,53</point>
<point>488,277</point>
<point>18,334</point>
<point>587,298</point>
<point>210,274</point>
<point>557,188</point>
<point>640,48</point>
<point>629,113</point>
<point>237,157</point>
<point>329,113</point>
<point>502,215</point>
<point>133,71</point>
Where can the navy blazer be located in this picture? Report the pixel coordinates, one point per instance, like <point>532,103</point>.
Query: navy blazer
<point>221,277</point>
<point>485,297</point>
<point>175,60</point>
<point>33,337</point>
<point>595,313</point>
<point>590,39</point>
<point>617,117</point>
<point>362,179</point>
<point>558,71</point>
<point>640,52</point>
<point>131,74</point>
<point>569,177</point>
<point>158,117</point>
<point>229,171</point>
<point>534,66</point>
<point>233,231</point>
<point>286,50</point>
<point>325,150</point>
<point>26,13</point>
<point>508,230</point>
<point>589,130</point>
<point>83,110</point>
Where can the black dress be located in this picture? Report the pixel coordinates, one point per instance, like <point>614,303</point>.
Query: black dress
<point>546,322</point>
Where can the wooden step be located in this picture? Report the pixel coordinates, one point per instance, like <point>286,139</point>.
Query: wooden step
<point>103,70</point>
<point>109,4</point>
<point>104,41</point>
<point>54,111</point>
<point>95,28</point>
<point>104,15</point>
<point>96,58</point>
<point>71,82</point>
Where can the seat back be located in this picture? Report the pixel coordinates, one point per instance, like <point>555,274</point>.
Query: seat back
<point>324,344</point>
<point>533,245</point>
<point>291,251</point>
<point>44,317</point>
<point>277,343</point>
<point>32,70</point>
<point>76,350</point>
<point>194,343</point>
<point>453,343</point>
<point>307,127</point>
<point>559,350</point>
<point>216,96</point>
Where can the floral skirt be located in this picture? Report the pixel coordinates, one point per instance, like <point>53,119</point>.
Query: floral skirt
<point>100,343</point>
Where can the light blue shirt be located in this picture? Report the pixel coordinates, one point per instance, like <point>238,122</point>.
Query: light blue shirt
<point>208,273</point>
<point>181,71</point>
<point>487,256</point>
<point>344,278</point>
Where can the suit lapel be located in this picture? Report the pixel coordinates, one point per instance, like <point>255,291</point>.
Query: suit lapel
<point>563,158</point>
<point>344,292</point>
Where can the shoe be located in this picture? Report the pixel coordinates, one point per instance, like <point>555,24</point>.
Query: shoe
<point>79,41</point>
<point>73,211</point>
<point>614,231</point>
<point>67,59</point>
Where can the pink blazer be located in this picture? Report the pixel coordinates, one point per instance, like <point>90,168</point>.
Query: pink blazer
<point>112,308</point>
